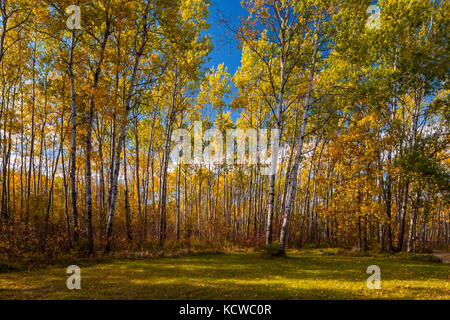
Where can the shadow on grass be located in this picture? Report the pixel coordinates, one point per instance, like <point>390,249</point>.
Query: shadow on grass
<point>234,276</point>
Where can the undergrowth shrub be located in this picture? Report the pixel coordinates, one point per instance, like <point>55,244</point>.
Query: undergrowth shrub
<point>426,257</point>
<point>272,249</point>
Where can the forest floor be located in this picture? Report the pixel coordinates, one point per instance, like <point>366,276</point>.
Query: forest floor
<point>302,274</point>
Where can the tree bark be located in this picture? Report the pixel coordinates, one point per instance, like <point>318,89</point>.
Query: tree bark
<point>123,131</point>
<point>73,150</point>
<point>89,138</point>
<point>300,140</point>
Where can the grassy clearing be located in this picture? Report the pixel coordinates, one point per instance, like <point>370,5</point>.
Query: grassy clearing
<point>311,274</point>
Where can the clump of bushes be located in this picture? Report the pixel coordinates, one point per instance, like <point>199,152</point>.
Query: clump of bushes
<point>427,258</point>
<point>272,249</point>
<point>332,251</point>
<point>315,246</point>
<point>425,250</point>
<point>6,267</point>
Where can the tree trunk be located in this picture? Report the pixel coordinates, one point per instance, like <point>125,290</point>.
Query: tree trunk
<point>165,164</point>
<point>300,139</point>
<point>73,150</point>
<point>89,140</point>
<point>123,131</point>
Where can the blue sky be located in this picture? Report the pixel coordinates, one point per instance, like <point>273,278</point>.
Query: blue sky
<point>225,48</point>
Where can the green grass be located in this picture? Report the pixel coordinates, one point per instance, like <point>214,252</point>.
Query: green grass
<point>311,274</point>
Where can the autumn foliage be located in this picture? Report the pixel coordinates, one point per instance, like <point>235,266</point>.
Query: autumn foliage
<point>87,117</point>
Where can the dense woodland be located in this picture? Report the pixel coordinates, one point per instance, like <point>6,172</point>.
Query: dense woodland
<point>87,117</point>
